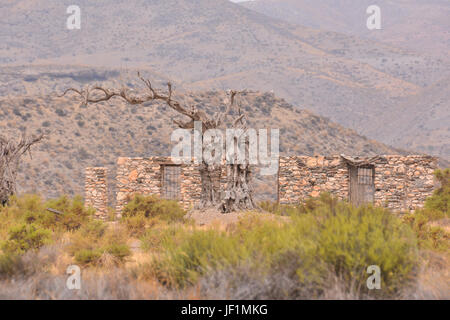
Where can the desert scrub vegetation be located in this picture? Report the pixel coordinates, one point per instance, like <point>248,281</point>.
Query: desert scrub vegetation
<point>425,222</point>
<point>325,240</point>
<point>26,225</point>
<point>31,209</point>
<point>440,200</point>
<point>143,212</point>
<point>320,249</point>
<point>94,244</point>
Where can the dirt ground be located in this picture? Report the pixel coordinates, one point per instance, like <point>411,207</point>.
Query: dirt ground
<point>212,217</point>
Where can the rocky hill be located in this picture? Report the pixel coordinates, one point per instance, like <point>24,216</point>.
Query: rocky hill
<point>217,44</point>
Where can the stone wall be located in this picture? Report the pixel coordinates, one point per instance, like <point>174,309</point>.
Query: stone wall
<point>302,177</point>
<point>96,190</point>
<point>401,182</point>
<point>144,176</point>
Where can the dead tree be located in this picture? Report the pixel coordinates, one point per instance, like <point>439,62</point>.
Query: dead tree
<point>11,153</point>
<point>238,194</point>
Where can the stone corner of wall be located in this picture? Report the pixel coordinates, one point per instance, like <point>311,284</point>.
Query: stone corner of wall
<point>96,190</point>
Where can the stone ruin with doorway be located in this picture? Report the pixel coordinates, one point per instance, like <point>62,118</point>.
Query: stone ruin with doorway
<point>400,183</point>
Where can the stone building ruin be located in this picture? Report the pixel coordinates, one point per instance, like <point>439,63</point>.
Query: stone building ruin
<point>400,183</point>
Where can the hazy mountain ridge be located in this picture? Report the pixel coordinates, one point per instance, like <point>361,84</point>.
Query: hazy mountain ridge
<point>214,44</point>
<point>420,25</point>
<point>419,121</point>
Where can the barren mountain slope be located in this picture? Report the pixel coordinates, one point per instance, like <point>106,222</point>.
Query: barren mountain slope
<point>420,25</point>
<point>216,44</point>
<point>429,115</point>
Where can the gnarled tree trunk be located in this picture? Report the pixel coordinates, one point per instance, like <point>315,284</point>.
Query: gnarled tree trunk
<point>11,153</point>
<point>238,193</point>
<point>211,188</point>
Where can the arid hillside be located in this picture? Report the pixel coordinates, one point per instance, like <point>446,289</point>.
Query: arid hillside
<point>428,114</point>
<point>419,25</point>
<point>96,135</point>
<point>217,44</point>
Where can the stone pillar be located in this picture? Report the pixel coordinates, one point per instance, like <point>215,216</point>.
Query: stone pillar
<point>96,191</point>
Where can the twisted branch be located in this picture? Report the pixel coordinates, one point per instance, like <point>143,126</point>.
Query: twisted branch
<point>10,154</point>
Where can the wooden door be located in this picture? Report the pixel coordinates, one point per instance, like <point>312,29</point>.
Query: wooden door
<point>362,185</point>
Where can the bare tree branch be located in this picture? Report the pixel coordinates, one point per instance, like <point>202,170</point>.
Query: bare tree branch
<point>238,193</point>
<point>11,153</point>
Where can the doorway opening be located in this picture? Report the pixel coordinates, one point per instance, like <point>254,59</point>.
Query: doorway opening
<point>362,184</point>
<point>171,186</point>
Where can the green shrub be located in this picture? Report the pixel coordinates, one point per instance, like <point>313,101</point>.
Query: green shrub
<point>311,204</point>
<point>154,238</point>
<point>87,256</point>
<point>351,239</point>
<point>31,209</point>
<point>440,200</point>
<point>94,239</point>
<point>74,212</point>
<point>93,230</point>
<point>328,237</point>
<point>152,206</point>
<point>429,237</point>
<point>8,264</point>
<point>182,264</point>
<point>436,208</point>
<point>24,237</point>
<point>118,250</point>
<point>279,209</point>
<point>136,225</point>
<point>93,256</point>
<point>146,211</point>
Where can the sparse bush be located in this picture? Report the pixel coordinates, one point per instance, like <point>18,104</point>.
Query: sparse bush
<point>87,256</point>
<point>333,238</point>
<point>8,264</point>
<point>31,209</point>
<point>117,284</point>
<point>94,240</point>
<point>436,208</point>
<point>352,239</point>
<point>74,212</point>
<point>94,229</point>
<point>136,225</point>
<point>154,238</point>
<point>152,206</point>
<point>118,250</point>
<point>144,211</point>
<point>429,237</point>
<point>25,237</point>
<point>278,209</point>
<point>440,200</point>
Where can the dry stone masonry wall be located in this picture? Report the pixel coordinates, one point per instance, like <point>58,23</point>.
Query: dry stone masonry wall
<point>144,176</point>
<point>96,190</point>
<point>400,182</point>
